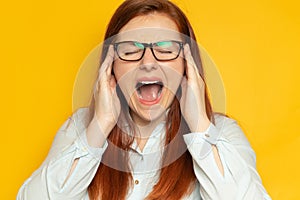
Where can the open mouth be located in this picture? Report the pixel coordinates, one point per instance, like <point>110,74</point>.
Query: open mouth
<point>149,92</point>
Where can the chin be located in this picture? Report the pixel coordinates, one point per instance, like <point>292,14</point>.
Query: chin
<point>148,114</point>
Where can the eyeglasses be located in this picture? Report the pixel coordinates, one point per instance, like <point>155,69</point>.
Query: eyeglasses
<point>162,51</point>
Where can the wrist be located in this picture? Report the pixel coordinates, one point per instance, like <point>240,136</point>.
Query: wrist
<point>104,122</point>
<point>202,125</point>
<point>95,133</point>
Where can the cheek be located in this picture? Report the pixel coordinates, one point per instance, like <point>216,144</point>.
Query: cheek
<point>181,69</point>
<point>123,69</point>
<point>174,75</point>
<point>124,74</point>
<point>118,71</point>
<point>179,66</point>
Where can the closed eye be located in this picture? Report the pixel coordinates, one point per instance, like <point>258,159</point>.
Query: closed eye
<point>131,52</point>
<point>164,51</point>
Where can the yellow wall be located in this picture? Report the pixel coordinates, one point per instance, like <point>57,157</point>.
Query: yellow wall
<point>254,43</point>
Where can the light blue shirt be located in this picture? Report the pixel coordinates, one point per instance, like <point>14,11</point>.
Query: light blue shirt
<point>241,180</point>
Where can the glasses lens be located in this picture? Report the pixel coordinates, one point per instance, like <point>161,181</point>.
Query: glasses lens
<point>166,50</point>
<point>130,50</point>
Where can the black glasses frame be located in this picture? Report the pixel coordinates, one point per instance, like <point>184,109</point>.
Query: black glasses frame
<point>148,45</point>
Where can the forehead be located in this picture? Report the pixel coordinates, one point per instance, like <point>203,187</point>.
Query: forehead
<point>149,28</point>
<point>149,35</point>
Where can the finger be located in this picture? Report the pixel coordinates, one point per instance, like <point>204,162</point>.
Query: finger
<point>103,76</point>
<point>110,55</point>
<point>106,66</point>
<point>112,82</point>
<point>183,89</point>
<point>192,71</point>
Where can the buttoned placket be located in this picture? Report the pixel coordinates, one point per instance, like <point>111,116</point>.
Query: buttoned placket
<point>146,164</point>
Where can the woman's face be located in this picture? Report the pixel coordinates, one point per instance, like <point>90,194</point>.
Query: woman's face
<point>149,85</point>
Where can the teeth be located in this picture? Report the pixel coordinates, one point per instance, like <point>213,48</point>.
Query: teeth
<point>149,82</point>
<point>141,83</point>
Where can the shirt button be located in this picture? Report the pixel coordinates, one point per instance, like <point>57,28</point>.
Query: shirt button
<point>136,182</point>
<point>206,135</point>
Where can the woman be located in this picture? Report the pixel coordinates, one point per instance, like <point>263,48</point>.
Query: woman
<point>150,132</point>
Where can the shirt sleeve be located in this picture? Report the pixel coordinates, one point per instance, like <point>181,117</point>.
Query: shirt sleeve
<point>241,180</point>
<point>50,180</point>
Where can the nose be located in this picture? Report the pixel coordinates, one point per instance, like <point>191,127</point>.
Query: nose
<point>148,61</point>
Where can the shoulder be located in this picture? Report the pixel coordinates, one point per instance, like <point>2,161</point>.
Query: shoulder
<point>230,130</point>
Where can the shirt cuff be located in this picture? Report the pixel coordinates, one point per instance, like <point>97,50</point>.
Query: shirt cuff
<point>202,141</point>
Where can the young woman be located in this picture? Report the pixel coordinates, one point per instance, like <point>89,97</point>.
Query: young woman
<point>150,132</point>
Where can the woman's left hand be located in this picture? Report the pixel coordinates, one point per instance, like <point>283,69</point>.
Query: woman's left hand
<point>192,102</point>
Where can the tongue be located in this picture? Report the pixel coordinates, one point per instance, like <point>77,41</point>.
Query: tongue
<point>149,92</point>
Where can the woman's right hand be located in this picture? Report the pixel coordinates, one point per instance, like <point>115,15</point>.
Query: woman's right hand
<point>107,103</point>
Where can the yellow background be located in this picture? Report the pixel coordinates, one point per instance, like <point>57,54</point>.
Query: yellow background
<point>254,43</point>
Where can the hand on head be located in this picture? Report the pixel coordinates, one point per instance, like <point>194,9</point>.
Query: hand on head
<point>107,103</point>
<point>192,102</point>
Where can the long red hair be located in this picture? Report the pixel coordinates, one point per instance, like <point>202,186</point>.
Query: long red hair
<point>176,179</point>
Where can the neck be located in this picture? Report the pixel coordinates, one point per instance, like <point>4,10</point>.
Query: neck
<point>146,127</point>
